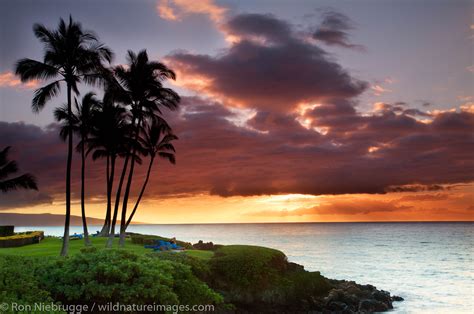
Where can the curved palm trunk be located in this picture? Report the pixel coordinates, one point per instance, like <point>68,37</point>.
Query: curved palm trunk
<point>106,227</point>
<point>152,159</point>
<point>127,189</point>
<point>117,202</point>
<point>118,195</point>
<point>109,196</point>
<point>83,188</point>
<point>65,246</point>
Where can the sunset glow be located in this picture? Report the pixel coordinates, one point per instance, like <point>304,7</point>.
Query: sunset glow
<point>287,114</point>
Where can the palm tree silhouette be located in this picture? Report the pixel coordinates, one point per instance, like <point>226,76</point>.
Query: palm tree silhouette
<point>109,138</point>
<point>73,55</point>
<point>10,167</point>
<point>156,141</point>
<point>141,88</point>
<point>81,122</point>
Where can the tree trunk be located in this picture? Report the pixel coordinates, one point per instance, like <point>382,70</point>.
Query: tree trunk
<point>106,227</point>
<point>127,189</point>
<point>152,159</point>
<point>65,246</point>
<point>87,241</point>
<point>109,197</point>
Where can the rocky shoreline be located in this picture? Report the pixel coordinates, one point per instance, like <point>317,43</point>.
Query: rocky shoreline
<point>350,297</point>
<point>286,287</point>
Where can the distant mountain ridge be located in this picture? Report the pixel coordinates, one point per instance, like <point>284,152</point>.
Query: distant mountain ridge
<point>45,219</point>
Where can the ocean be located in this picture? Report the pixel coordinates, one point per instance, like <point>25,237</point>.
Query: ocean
<point>430,265</point>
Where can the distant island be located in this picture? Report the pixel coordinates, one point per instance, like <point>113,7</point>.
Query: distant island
<point>45,219</point>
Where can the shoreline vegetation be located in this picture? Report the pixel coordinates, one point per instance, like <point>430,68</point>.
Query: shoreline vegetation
<point>232,278</point>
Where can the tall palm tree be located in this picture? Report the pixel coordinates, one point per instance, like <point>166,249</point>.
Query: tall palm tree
<point>109,139</point>
<point>156,141</point>
<point>71,55</point>
<point>141,88</point>
<point>10,167</point>
<point>81,122</point>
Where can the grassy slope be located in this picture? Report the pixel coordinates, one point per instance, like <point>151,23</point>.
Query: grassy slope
<point>52,246</point>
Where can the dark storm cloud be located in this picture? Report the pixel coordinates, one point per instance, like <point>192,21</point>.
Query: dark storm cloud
<point>334,30</point>
<point>40,152</point>
<point>408,154</point>
<point>284,147</point>
<point>275,154</point>
<point>265,26</point>
<point>274,72</point>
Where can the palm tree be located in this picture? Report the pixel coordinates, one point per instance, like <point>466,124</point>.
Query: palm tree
<point>10,167</point>
<point>141,88</point>
<point>109,139</point>
<point>71,55</point>
<point>156,141</point>
<point>81,122</point>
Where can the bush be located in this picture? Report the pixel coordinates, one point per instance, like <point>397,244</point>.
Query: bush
<point>121,276</point>
<point>206,246</point>
<point>305,285</point>
<point>20,239</point>
<point>247,267</point>
<point>19,280</point>
<point>199,267</point>
<point>6,231</point>
<point>151,239</point>
<point>259,279</point>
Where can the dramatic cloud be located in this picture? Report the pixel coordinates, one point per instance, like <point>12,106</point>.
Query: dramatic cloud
<point>277,115</point>
<point>334,29</point>
<point>274,154</point>
<point>175,10</point>
<point>8,79</point>
<point>268,67</point>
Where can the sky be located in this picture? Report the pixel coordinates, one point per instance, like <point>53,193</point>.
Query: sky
<point>292,111</point>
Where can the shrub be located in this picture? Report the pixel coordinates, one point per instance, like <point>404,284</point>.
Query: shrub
<point>206,246</point>
<point>19,280</point>
<point>247,267</point>
<point>199,267</point>
<point>6,231</point>
<point>20,239</point>
<point>305,285</point>
<point>259,279</point>
<point>122,276</point>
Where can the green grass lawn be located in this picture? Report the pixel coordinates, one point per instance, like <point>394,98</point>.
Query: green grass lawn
<point>52,247</point>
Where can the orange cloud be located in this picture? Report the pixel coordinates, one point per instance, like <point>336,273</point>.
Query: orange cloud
<point>175,10</point>
<point>8,79</point>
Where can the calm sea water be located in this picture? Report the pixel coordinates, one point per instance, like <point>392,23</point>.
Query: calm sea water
<point>431,265</point>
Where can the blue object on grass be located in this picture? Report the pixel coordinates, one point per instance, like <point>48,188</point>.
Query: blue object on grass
<point>161,245</point>
<point>76,236</point>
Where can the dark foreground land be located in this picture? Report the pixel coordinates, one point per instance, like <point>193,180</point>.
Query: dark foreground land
<point>232,278</point>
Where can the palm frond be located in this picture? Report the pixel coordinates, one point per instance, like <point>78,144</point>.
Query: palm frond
<point>43,94</point>
<point>4,155</point>
<point>26,181</point>
<point>29,69</point>
<point>7,169</point>
<point>170,157</point>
